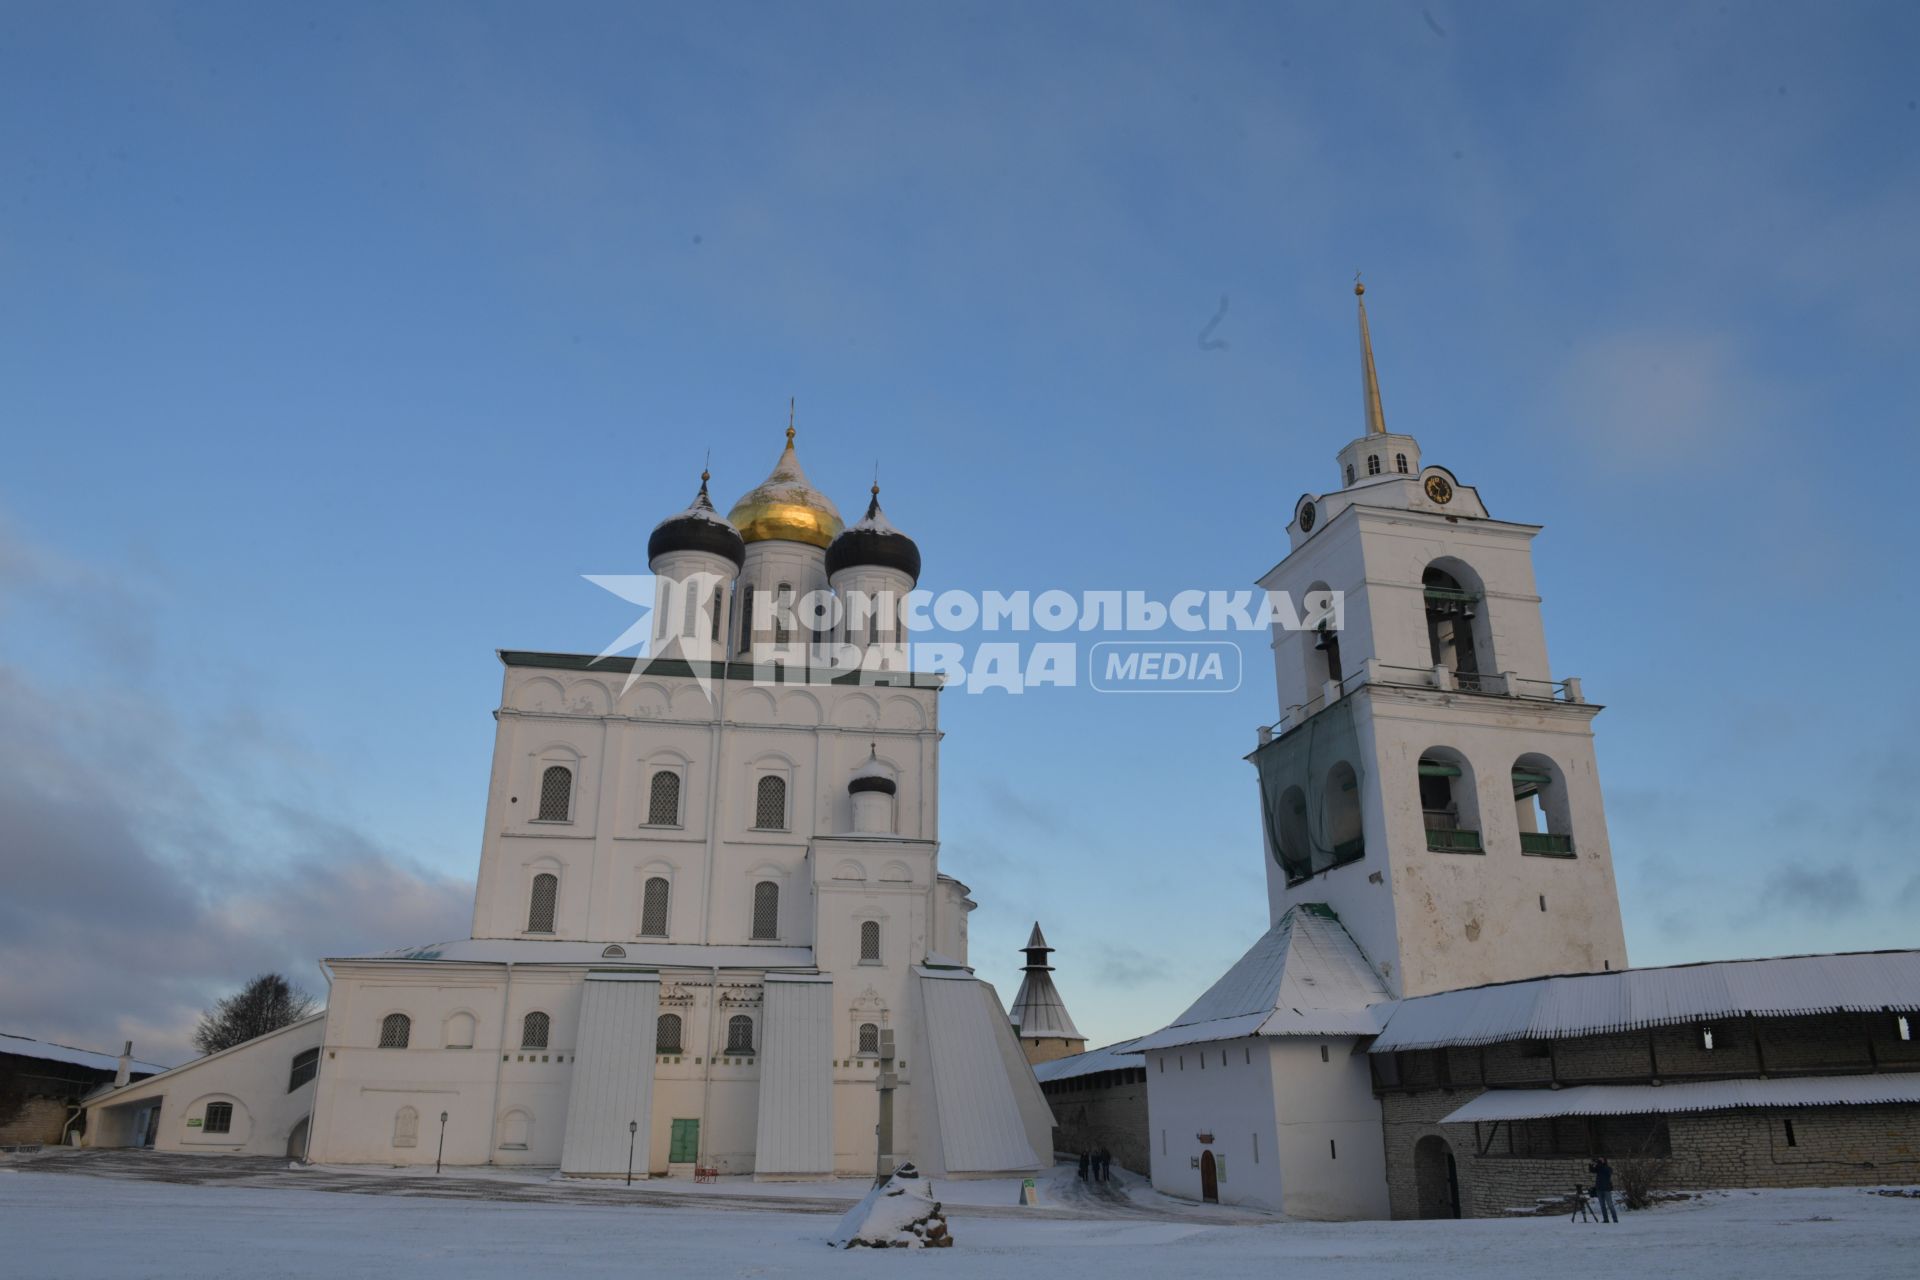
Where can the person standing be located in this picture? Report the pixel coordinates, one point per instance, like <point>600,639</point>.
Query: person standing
<point>1100,1162</point>
<point>1603,1189</point>
<point>1086,1161</point>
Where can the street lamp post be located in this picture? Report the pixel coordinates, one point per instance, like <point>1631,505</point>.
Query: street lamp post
<point>443,1142</point>
<point>633,1131</point>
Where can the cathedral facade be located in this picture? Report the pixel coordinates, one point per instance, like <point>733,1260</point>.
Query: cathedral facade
<point>709,911</point>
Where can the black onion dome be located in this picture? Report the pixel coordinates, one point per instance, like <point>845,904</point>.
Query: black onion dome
<point>698,528</point>
<point>874,541</point>
<point>871,776</point>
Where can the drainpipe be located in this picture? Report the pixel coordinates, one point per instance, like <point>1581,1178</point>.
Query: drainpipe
<point>706,1081</point>
<point>499,1066</point>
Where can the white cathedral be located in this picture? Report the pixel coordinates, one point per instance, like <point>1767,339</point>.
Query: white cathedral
<point>709,900</point>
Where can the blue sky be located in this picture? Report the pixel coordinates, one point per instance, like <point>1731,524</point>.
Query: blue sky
<point>337,342</point>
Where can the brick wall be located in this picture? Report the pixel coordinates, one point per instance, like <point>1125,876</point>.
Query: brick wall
<point>1110,1115</point>
<point>1828,1146</point>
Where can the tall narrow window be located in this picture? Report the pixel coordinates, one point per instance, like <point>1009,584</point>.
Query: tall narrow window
<point>869,1040</point>
<point>739,1034</point>
<point>556,794</point>
<point>654,901</point>
<point>533,1031</point>
<point>1451,609</point>
<point>546,892</point>
<point>782,612</point>
<point>1349,473</point>
<point>766,911</point>
<point>395,1030</point>
<point>306,1065</point>
<point>746,618</point>
<point>1400,463</point>
<point>869,942</point>
<point>406,1127</point>
<point>1373,464</point>
<point>666,1033</point>
<point>770,803</point>
<point>720,599</point>
<point>663,799</point>
<point>219,1118</point>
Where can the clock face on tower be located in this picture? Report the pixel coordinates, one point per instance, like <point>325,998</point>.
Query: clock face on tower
<point>1307,514</point>
<point>1439,490</point>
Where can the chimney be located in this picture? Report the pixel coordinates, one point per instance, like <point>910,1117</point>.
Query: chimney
<point>125,1068</point>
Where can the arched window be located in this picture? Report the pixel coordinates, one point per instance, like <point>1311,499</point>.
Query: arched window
<point>663,800</point>
<point>533,1030</point>
<point>746,618</point>
<point>1540,806</point>
<point>406,1127</point>
<point>219,1118</point>
<point>719,602</point>
<point>1293,848</point>
<point>766,911</point>
<point>1400,463</point>
<point>666,1034</point>
<point>306,1065</point>
<point>1349,473</point>
<point>556,794</point>
<point>396,1029</point>
<point>1448,805</point>
<point>869,1040</point>
<point>459,1031</point>
<point>869,942</point>
<point>1451,612</point>
<point>739,1034</point>
<point>1373,464</point>
<point>782,612</point>
<point>516,1130</point>
<point>1342,803</point>
<point>770,803</point>
<point>546,893</point>
<point>654,901</point>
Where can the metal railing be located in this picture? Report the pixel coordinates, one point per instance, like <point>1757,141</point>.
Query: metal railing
<point>1503,684</point>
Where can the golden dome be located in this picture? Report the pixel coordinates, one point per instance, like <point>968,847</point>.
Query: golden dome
<point>786,507</point>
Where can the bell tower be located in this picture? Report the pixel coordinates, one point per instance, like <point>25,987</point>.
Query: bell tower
<point>1429,777</point>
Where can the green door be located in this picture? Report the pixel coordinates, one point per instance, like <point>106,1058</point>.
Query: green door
<point>686,1142</point>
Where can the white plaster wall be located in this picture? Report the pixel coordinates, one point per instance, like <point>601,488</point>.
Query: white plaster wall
<point>1231,1097</point>
<point>251,1076</point>
<point>1331,1158</point>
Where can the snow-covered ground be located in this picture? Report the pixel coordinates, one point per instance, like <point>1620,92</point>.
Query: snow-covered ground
<point>100,1228</point>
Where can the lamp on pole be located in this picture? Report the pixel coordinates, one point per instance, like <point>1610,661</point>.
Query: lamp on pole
<point>633,1131</point>
<point>443,1142</point>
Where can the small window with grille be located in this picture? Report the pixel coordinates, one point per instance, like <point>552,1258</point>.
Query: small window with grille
<point>533,1031</point>
<point>666,1033</point>
<point>546,893</point>
<point>306,1065</point>
<point>766,911</point>
<point>663,800</point>
<point>219,1118</point>
<point>869,1040</point>
<point>396,1029</point>
<point>739,1034</point>
<point>870,942</point>
<point>770,803</point>
<point>654,901</point>
<point>556,794</point>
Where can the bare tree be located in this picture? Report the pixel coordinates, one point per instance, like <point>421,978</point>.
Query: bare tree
<point>268,1003</point>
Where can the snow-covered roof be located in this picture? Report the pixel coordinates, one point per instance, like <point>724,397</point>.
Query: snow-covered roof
<point>46,1051</point>
<point>663,955</point>
<point>1596,1003</point>
<point>1039,1010</point>
<point>1305,976</point>
<point>1113,1057</point>
<point>1694,1095</point>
